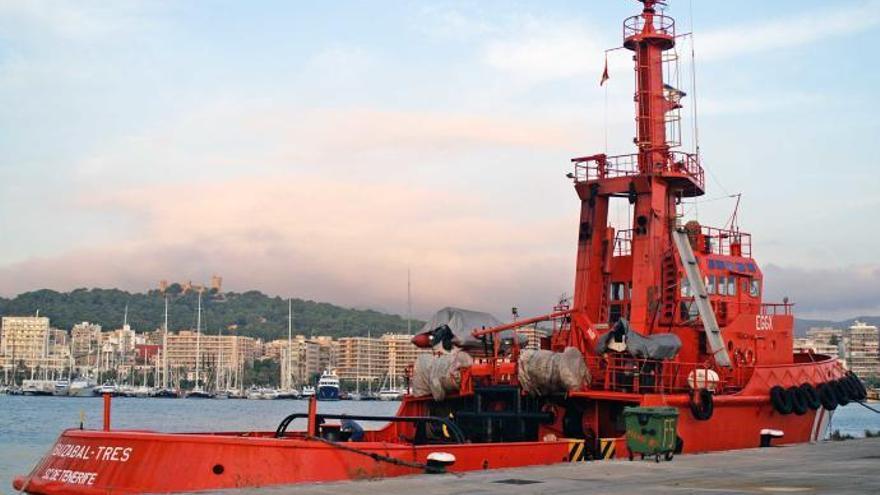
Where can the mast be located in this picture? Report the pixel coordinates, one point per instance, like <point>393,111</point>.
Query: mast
<point>198,339</point>
<point>165,346</point>
<point>289,340</point>
<point>408,304</point>
<point>219,366</point>
<point>653,180</point>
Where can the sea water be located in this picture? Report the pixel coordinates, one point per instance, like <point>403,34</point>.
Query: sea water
<point>30,425</point>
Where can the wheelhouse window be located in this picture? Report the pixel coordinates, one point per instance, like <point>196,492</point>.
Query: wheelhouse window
<point>755,287</point>
<point>722,286</point>
<point>710,284</point>
<point>731,286</point>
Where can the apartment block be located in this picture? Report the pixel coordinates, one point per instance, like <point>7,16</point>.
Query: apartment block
<point>863,350</point>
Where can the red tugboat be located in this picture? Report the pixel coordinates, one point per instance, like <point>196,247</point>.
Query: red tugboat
<point>663,314</point>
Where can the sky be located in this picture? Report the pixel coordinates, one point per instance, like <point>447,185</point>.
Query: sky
<point>323,149</point>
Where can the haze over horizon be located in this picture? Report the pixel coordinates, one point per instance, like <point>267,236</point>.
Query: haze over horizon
<point>320,151</point>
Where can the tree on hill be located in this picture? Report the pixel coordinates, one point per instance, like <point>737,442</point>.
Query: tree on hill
<point>250,313</point>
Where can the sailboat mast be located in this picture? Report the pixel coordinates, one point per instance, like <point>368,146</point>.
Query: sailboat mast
<point>198,338</point>
<point>218,368</point>
<point>288,374</point>
<point>165,347</point>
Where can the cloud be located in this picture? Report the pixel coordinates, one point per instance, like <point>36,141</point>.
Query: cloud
<point>331,240</point>
<point>542,50</point>
<point>225,139</point>
<point>801,29</point>
<point>832,292</point>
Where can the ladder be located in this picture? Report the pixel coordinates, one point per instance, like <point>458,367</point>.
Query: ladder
<point>701,297</point>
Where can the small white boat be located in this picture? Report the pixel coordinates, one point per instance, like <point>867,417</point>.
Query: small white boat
<point>81,387</point>
<point>38,387</point>
<point>288,394</point>
<point>199,393</point>
<point>62,388</point>
<point>308,392</point>
<point>391,394</point>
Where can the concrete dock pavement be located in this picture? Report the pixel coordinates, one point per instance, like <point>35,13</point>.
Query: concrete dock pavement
<point>849,467</point>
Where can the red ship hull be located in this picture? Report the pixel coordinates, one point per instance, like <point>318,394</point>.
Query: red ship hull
<point>102,462</point>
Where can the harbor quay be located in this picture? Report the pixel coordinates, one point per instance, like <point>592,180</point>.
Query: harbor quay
<point>848,467</point>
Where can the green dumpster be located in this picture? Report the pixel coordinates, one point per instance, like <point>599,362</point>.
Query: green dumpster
<point>651,431</point>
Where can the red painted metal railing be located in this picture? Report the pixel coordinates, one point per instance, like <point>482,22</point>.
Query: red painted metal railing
<point>621,373</point>
<point>726,242</point>
<point>662,24</point>
<point>590,168</point>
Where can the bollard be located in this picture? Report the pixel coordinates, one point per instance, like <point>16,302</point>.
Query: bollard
<point>106,412</point>
<point>313,416</point>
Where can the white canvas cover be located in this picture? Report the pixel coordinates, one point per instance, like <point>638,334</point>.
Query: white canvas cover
<point>439,375</point>
<point>544,372</point>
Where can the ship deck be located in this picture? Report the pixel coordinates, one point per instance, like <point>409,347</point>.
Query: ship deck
<point>826,467</point>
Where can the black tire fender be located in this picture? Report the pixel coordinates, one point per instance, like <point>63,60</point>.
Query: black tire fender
<point>702,404</point>
<point>859,392</point>
<point>781,400</point>
<point>798,400</point>
<point>812,396</point>
<point>828,396</point>
<point>842,392</point>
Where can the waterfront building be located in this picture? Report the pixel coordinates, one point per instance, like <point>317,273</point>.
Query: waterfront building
<point>375,358</point>
<point>85,340</point>
<point>863,350</point>
<point>401,355</point>
<point>226,352</point>
<point>28,341</point>
<point>361,358</point>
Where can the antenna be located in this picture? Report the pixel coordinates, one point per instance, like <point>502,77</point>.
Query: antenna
<point>733,223</point>
<point>125,317</point>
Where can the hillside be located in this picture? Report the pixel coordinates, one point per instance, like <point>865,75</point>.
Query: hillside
<point>249,313</point>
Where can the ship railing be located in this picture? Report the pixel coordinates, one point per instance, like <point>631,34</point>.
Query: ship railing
<point>620,373</point>
<point>636,24</point>
<point>601,166</point>
<point>726,242</point>
<point>774,309</point>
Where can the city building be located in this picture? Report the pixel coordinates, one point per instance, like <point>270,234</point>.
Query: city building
<point>85,340</point>
<point>28,341</point>
<point>862,350</point>
<point>227,352</point>
<point>401,354</point>
<point>376,359</point>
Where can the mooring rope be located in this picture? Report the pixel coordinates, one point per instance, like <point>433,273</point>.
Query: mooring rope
<point>383,458</point>
<point>868,407</point>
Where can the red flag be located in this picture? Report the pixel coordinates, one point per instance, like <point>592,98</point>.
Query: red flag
<point>604,72</point>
